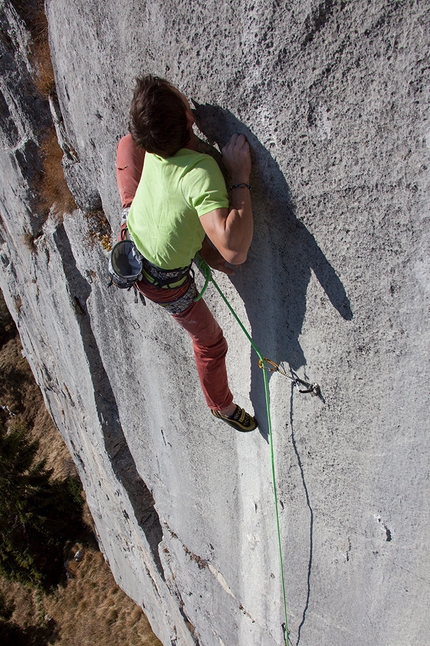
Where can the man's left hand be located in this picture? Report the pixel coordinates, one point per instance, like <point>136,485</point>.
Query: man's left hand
<point>214,259</point>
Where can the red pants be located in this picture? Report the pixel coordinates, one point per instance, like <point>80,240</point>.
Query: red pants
<point>210,346</point>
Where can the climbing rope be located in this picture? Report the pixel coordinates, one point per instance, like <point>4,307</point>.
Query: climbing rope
<point>207,273</point>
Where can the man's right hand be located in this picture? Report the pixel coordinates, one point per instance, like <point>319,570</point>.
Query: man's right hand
<point>237,159</point>
<point>230,230</point>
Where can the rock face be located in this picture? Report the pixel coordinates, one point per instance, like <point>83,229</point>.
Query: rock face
<point>333,97</point>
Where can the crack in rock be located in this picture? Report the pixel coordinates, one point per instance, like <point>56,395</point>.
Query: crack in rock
<point>388,533</point>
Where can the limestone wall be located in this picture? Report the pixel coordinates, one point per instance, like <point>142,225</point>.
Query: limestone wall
<point>333,98</point>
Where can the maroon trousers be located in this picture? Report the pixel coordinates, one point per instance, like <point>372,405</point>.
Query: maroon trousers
<point>209,344</point>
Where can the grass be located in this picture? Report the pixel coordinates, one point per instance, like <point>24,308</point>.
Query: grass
<point>33,14</point>
<point>88,608</point>
<point>53,190</point>
<point>99,228</point>
<point>53,193</point>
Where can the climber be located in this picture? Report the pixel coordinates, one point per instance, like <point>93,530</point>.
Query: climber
<point>175,204</point>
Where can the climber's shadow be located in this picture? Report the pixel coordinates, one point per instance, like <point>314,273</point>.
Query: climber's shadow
<point>274,282</point>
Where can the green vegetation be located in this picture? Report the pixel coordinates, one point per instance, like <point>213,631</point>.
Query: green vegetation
<point>37,515</point>
<point>7,326</point>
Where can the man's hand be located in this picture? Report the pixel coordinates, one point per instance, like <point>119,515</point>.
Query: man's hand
<point>214,259</point>
<point>237,159</point>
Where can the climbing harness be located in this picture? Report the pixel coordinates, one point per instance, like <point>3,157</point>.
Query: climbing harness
<point>183,302</point>
<point>309,388</point>
<point>164,278</point>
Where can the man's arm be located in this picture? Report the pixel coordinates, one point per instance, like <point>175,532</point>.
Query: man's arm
<point>231,229</point>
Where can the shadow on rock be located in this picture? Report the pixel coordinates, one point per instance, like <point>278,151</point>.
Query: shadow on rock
<point>274,284</point>
<point>116,445</point>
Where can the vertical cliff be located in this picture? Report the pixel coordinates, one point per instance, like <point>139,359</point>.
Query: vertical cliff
<point>333,97</point>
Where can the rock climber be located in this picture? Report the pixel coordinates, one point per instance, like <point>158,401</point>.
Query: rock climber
<point>175,204</point>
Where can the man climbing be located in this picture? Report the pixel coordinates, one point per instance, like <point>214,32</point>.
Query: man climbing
<point>175,204</point>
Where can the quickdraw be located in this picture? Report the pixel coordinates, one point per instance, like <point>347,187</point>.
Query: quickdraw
<point>314,389</point>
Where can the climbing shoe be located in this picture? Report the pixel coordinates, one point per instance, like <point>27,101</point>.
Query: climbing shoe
<point>240,420</point>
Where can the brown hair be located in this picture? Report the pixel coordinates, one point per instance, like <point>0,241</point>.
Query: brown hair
<point>158,120</point>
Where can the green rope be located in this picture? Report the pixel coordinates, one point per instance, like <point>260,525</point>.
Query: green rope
<point>207,273</point>
<point>208,277</point>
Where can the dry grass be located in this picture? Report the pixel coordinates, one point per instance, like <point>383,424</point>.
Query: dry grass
<point>53,190</point>
<point>89,609</point>
<point>18,389</point>
<point>40,55</point>
<point>42,64</point>
<point>99,228</point>
<point>95,609</point>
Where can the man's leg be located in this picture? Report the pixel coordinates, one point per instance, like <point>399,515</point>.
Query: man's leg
<point>129,165</point>
<point>209,344</point>
<point>210,349</point>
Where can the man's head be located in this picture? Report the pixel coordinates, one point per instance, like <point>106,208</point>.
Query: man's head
<point>160,120</point>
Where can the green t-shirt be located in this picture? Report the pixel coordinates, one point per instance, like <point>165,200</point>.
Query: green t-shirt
<point>164,218</point>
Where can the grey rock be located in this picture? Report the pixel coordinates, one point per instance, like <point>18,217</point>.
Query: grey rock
<point>333,97</point>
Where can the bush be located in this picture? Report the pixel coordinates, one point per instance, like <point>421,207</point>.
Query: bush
<point>7,325</point>
<point>11,634</point>
<point>37,516</point>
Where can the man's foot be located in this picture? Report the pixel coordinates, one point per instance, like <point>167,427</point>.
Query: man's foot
<point>240,420</point>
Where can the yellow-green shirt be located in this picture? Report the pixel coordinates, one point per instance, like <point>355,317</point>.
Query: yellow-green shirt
<point>173,193</point>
